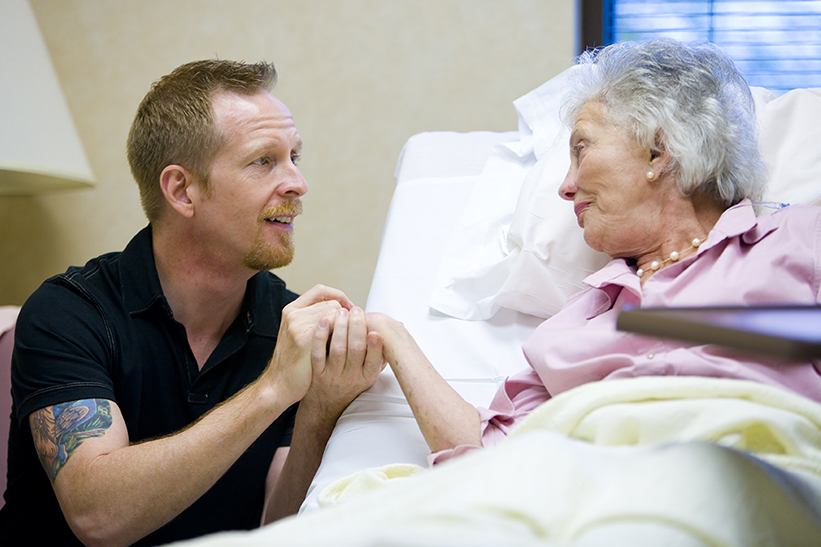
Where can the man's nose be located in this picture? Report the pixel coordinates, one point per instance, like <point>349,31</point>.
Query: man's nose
<point>294,184</point>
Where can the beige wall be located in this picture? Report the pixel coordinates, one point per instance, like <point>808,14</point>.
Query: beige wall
<point>360,76</point>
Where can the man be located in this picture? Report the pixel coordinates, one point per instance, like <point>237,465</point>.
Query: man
<point>157,386</point>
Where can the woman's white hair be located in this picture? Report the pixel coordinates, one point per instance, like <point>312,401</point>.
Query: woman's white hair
<point>689,100</point>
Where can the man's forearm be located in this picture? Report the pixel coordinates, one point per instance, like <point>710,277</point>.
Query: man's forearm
<point>311,434</point>
<point>342,369</point>
<point>120,496</point>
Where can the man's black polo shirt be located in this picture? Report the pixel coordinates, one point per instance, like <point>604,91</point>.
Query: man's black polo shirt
<point>105,331</point>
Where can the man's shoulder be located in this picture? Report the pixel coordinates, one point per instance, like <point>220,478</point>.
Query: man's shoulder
<point>75,296</point>
<point>83,281</point>
<point>87,290</point>
<point>92,270</point>
<point>118,277</point>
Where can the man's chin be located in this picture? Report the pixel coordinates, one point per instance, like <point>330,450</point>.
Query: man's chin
<point>263,255</point>
<point>269,260</point>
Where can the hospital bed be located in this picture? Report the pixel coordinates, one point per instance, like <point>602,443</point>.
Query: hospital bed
<point>478,249</point>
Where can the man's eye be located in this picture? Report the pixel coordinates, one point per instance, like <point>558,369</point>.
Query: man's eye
<point>295,158</point>
<point>577,150</point>
<point>262,161</point>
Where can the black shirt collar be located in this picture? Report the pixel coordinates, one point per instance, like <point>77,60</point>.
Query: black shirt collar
<point>142,291</point>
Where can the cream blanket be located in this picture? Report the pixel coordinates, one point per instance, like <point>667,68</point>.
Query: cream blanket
<point>645,461</point>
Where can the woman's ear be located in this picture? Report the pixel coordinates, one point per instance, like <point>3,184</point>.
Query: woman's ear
<point>659,159</point>
<point>658,156</point>
<point>176,183</point>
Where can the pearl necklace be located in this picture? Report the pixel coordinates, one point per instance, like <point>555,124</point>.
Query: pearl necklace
<point>674,256</point>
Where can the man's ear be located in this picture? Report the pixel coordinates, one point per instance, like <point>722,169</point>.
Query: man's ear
<point>176,183</point>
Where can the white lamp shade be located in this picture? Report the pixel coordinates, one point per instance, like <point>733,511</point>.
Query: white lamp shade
<point>40,149</point>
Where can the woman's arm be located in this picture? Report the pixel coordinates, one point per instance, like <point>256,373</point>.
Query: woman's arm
<point>446,420</point>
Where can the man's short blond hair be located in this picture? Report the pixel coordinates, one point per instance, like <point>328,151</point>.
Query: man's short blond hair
<point>174,124</point>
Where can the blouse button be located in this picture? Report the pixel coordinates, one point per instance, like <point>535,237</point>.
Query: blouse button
<point>651,355</point>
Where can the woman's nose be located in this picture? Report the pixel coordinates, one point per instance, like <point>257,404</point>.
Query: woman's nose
<point>568,188</point>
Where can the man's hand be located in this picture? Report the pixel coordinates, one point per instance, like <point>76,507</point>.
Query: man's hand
<point>290,370</point>
<point>345,360</point>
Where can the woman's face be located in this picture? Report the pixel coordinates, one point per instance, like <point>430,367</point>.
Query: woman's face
<point>616,204</point>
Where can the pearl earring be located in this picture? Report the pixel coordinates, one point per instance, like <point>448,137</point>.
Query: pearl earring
<point>651,175</point>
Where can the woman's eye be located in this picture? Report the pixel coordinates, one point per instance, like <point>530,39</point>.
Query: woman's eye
<point>262,161</point>
<point>295,158</point>
<point>577,150</point>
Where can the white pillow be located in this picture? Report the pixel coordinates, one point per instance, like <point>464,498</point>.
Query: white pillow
<point>530,256</point>
<point>518,245</point>
<point>789,136</point>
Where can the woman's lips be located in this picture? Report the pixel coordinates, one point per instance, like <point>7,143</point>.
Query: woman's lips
<point>579,208</point>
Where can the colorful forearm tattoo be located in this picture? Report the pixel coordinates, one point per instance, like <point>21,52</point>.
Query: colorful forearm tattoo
<point>59,430</point>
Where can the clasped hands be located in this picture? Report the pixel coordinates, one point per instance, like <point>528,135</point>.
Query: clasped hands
<point>327,353</point>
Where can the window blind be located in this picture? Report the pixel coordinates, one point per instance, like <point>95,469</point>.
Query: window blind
<point>776,44</point>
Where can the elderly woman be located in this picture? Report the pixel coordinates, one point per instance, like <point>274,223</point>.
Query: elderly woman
<point>665,172</point>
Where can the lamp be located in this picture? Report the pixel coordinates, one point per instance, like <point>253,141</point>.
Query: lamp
<point>40,149</point>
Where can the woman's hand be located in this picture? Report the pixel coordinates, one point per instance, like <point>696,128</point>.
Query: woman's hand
<point>396,340</point>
